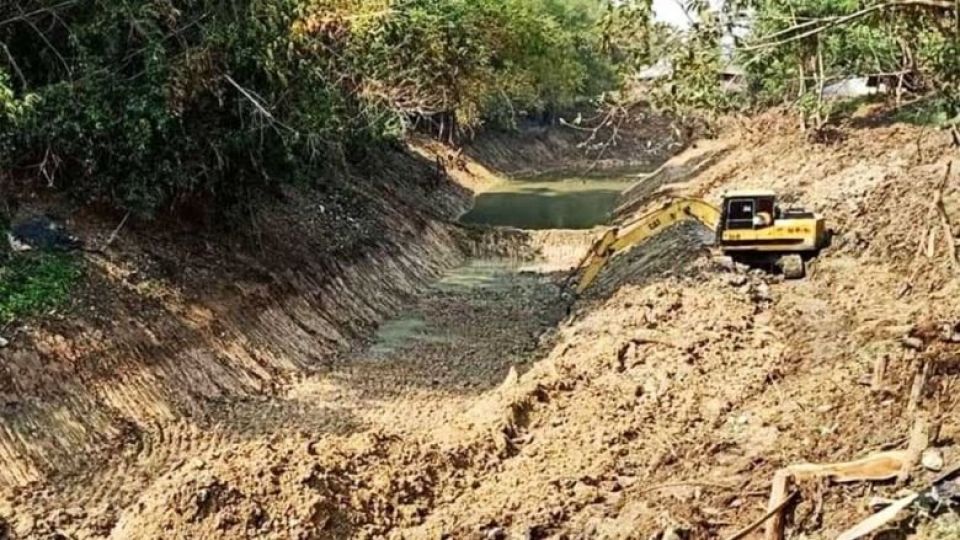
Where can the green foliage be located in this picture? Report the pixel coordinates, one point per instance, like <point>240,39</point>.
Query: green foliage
<point>694,58</point>
<point>156,104</point>
<point>793,49</point>
<point>473,60</point>
<point>694,86</point>
<point>924,112</point>
<point>796,47</point>
<point>31,285</point>
<point>135,105</point>
<point>12,108</point>
<point>629,33</point>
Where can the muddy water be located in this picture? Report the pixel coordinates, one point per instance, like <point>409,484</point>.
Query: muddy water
<point>475,287</point>
<point>567,203</point>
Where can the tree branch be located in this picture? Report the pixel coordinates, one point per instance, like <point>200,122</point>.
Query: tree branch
<point>943,5</point>
<point>41,11</point>
<point>256,104</point>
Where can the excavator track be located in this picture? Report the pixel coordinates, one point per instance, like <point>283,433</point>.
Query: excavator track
<point>793,266</point>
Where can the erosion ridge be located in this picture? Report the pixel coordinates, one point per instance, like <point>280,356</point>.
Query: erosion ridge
<point>174,318</point>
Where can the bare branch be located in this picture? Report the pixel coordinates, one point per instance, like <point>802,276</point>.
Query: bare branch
<point>48,10</point>
<point>13,63</point>
<point>252,98</point>
<point>116,232</point>
<point>46,42</point>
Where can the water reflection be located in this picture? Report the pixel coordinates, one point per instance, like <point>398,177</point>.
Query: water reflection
<point>559,204</point>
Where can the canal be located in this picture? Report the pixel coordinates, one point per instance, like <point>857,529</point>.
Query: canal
<point>563,203</point>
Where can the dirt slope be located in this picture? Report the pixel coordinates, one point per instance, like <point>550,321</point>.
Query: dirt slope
<point>173,319</point>
<point>665,399</point>
<point>638,139</point>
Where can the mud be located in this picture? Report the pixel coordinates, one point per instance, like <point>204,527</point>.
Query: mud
<point>172,321</point>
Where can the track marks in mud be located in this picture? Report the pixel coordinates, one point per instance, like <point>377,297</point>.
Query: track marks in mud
<point>593,427</point>
<point>206,476</point>
<point>135,356</point>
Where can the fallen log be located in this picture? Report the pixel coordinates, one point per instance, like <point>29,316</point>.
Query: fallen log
<point>888,514</point>
<point>873,468</point>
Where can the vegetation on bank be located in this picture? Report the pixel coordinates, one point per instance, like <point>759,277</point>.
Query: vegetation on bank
<point>152,105</point>
<point>149,105</point>
<point>792,50</point>
<point>162,105</point>
<point>33,284</point>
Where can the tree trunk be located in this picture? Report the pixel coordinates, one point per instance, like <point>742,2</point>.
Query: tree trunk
<point>821,121</point>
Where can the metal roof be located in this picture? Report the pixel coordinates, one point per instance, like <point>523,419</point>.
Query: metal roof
<point>750,193</point>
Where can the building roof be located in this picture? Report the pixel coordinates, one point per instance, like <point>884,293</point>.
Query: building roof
<point>750,193</point>
<point>851,87</point>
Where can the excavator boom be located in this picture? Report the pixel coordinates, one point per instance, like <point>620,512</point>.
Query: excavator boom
<point>619,238</point>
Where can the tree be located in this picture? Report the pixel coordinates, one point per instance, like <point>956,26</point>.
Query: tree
<point>796,47</point>
<point>153,105</point>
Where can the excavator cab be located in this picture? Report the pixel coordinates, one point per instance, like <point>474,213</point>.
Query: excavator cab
<point>749,211</point>
<point>754,230</point>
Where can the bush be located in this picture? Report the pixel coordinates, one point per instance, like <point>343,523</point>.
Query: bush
<point>31,285</point>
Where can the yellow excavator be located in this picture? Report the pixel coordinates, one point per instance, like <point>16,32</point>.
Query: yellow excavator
<point>750,227</point>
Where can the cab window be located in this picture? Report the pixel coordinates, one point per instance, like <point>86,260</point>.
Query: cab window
<point>740,213</point>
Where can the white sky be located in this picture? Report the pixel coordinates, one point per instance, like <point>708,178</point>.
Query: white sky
<point>669,11</point>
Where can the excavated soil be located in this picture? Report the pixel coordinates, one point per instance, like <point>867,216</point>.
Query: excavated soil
<point>663,400</point>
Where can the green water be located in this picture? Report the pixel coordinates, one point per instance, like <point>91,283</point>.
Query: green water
<point>574,203</point>
<point>408,329</point>
<point>402,332</point>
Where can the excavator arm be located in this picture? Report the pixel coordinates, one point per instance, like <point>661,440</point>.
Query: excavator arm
<point>623,238</point>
